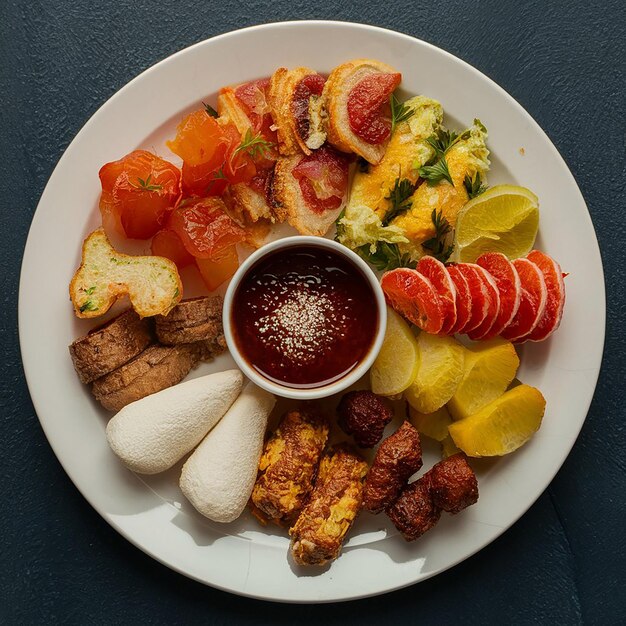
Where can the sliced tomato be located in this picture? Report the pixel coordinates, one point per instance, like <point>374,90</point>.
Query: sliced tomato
<point>493,305</point>
<point>218,269</point>
<point>204,227</point>
<point>168,244</point>
<point>138,191</point>
<point>310,86</point>
<point>323,178</point>
<point>438,275</point>
<point>555,286</point>
<point>463,299</point>
<point>368,106</point>
<point>203,180</point>
<point>413,296</point>
<point>532,303</point>
<point>253,99</point>
<point>509,287</point>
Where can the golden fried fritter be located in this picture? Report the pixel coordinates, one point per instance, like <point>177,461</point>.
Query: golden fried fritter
<point>397,459</point>
<point>364,415</point>
<point>288,465</point>
<point>453,484</point>
<point>318,534</point>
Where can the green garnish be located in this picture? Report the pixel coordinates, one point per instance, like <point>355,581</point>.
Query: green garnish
<point>399,112</point>
<point>399,197</point>
<point>255,145</point>
<point>438,245</point>
<point>88,306</point>
<point>386,257</point>
<point>340,228</point>
<point>474,185</point>
<point>146,185</point>
<point>216,176</point>
<point>209,110</point>
<point>443,140</point>
<point>437,172</point>
<point>90,290</point>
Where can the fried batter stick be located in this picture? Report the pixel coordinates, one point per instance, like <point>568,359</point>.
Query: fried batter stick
<point>318,534</point>
<point>288,465</point>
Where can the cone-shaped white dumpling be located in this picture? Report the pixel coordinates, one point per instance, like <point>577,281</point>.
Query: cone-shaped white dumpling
<point>219,476</point>
<point>152,434</point>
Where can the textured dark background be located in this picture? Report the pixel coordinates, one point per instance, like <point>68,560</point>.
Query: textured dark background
<point>563,562</point>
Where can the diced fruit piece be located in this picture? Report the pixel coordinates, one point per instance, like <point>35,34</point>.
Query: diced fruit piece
<point>437,274</point>
<point>555,286</point>
<point>448,447</point>
<point>463,299</point>
<point>433,425</point>
<point>413,296</point>
<point>503,219</point>
<point>493,305</point>
<point>503,425</point>
<point>439,373</point>
<point>216,270</point>
<point>509,287</point>
<point>168,244</point>
<point>490,366</point>
<point>396,365</point>
<point>480,296</point>
<point>532,302</point>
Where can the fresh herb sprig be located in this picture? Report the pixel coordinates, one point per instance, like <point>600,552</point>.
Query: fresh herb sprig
<point>436,172</point>
<point>400,199</point>
<point>146,185</point>
<point>400,112</point>
<point>386,257</point>
<point>438,245</point>
<point>209,110</point>
<point>255,145</point>
<point>474,186</point>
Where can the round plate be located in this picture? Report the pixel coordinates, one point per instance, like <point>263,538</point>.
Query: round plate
<point>243,557</point>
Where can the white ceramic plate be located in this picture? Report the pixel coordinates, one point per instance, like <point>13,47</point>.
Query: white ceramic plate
<point>243,557</point>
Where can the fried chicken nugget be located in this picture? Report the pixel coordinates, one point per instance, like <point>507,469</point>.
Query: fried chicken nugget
<point>414,512</point>
<point>397,459</point>
<point>288,465</point>
<point>453,484</point>
<point>319,532</point>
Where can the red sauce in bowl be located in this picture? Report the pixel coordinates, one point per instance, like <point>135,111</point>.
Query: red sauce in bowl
<point>304,316</point>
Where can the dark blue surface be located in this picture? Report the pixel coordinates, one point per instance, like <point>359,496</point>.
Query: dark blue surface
<point>563,562</point>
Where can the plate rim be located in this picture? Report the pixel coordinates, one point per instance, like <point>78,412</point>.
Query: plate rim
<point>93,119</point>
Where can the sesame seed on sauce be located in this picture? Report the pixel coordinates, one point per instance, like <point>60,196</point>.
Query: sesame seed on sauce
<point>304,316</point>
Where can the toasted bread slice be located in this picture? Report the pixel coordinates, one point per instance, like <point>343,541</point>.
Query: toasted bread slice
<point>336,92</point>
<point>152,282</point>
<point>303,131</point>
<point>196,319</point>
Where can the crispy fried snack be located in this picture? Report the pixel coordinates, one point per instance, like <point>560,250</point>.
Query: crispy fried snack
<point>397,459</point>
<point>288,465</point>
<point>453,484</point>
<point>414,512</point>
<point>318,534</point>
<point>364,415</point>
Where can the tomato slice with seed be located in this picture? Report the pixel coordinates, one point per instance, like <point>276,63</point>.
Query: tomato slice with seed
<point>138,192</point>
<point>438,275</point>
<point>168,244</point>
<point>368,106</point>
<point>555,286</point>
<point>323,178</point>
<point>204,227</point>
<point>532,302</point>
<point>509,287</point>
<point>310,86</point>
<point>493,306</point>
<point>413,296</point>
<point>463,301</point>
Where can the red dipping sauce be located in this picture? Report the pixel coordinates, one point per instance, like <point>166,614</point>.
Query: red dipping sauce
<point>304,316</point>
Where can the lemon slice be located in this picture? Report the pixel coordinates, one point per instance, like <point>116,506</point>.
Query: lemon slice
<point>433,425</point>
<point>503,425</point>
<point>490,366</point>
<point>503,219</point>
<point>396,365</point>
<point>439,373</point>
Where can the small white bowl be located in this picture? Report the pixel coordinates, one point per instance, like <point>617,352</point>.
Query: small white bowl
<point>309,393</point>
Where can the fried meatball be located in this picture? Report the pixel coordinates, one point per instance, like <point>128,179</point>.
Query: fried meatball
<point>363,415</point>
<point>414,512</point>
<point>453,484</point>
<point>397,459</point>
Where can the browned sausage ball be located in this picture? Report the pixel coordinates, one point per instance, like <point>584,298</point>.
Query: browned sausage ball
<point>453,484</point>
<point>397,459</point>
<point>363,415</point>
<point>414,512</point>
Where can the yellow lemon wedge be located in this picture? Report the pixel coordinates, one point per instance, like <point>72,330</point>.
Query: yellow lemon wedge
<point>448,447</point>
<point>433,425</point>
<point>490,366</point>
<point>503,219</point>
<point>439,373</point>
<point>396,365</point>
<point>503,425</point>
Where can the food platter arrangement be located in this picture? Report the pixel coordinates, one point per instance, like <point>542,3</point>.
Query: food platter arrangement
<point>348,363</point>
